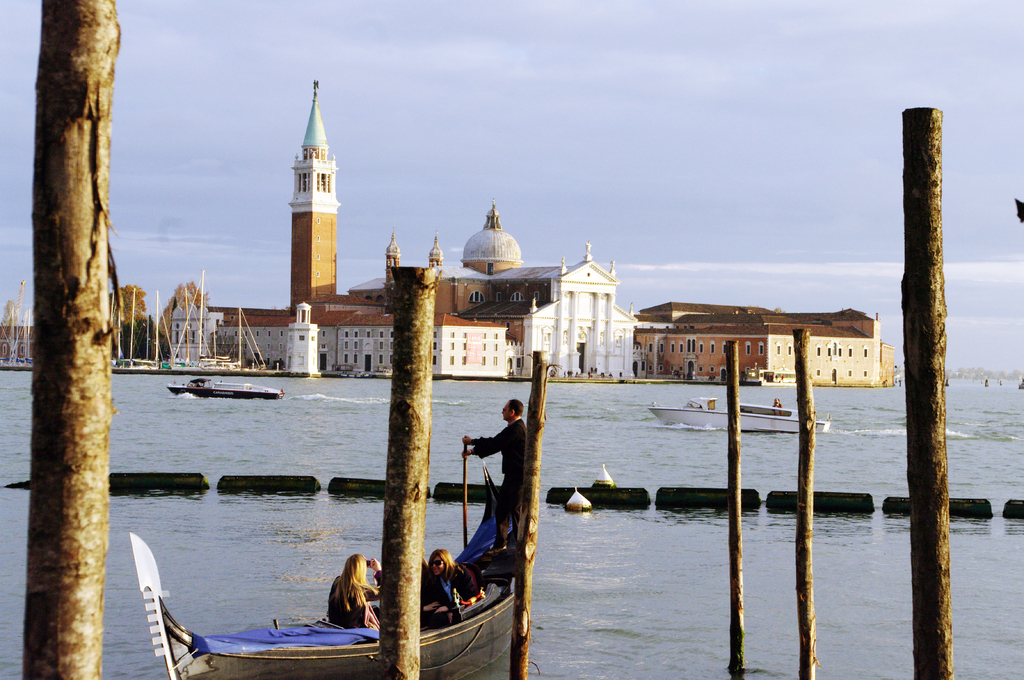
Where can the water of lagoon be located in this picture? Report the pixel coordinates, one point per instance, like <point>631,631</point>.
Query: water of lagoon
<point>617,593</point>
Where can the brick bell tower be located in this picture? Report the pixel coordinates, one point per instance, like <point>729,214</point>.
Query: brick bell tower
<point>314,215</point>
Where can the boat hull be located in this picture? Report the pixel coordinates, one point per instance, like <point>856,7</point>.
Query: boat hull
<point>452,652</point>
<point>719,420</point>
<point>208,389</point>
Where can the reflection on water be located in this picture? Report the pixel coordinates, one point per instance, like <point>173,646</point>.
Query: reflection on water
<point>630,593</point>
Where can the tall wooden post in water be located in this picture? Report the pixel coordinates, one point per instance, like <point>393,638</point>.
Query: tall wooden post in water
<point>405,490</point>
<point>924,343</point>
<point>526,544</point>
<point>71,406</point>
<point>805,508</point>
<point>736,662</point>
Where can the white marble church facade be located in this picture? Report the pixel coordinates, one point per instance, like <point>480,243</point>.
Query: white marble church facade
<point>582,329</point>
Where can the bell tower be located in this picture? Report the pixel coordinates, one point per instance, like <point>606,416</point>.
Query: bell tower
<point>314,215</point>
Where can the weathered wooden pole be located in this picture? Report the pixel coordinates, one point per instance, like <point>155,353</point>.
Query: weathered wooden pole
<point>71,406</point>
<point>526,540</point>
<point>407,482</point>
<point>805,509</point>
<point>924,343</point>
<point>736,661</point>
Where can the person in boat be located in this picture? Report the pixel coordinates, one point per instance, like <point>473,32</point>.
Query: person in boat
<point>447,585</point>
<point>777,404</point>
<point>511,442</point>
<point>348,605</point>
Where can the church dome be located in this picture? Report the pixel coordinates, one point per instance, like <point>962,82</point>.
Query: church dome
<point>492,245</point>
<point>393,250</point>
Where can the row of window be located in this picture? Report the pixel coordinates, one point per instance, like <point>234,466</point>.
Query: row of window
<point>304,180</point>
<point>692,345</point>
<point>477,296</point>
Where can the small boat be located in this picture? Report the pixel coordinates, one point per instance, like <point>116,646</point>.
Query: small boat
<point>204,387</point>
<point>321,650</point>
<point>755,377</point>
<point>700,412</point>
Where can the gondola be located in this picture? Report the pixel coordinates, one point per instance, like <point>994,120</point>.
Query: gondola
<point>320,650</point>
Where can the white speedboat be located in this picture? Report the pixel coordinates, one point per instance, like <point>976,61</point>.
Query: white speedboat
<point>701,412</point>
<point>204,387</point>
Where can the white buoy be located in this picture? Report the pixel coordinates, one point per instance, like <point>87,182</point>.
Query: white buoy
<point>577,503</point>
<point>605,480</point>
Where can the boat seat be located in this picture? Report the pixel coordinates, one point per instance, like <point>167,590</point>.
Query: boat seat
<point>491,595</point>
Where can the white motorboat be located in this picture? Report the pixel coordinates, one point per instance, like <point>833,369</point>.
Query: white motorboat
<point>204,387</point>
<point>701,412</point>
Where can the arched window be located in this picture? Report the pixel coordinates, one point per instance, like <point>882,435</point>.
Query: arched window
<point>517,297</point>
<point>476,296</point>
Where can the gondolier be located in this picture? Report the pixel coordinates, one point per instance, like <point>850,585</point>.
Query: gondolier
<point>511,442</point>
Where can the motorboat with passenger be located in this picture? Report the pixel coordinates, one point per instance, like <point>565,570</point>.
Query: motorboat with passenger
<point>205,387</point>
<point>701,412</point>
<point>481,633</point>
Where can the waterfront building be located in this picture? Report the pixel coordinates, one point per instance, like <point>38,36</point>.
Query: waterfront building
<point>353,342</point>
<point>566,310</point>
<point>688,341</point>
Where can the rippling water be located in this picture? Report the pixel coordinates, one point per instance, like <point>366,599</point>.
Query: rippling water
<point>617,593</point>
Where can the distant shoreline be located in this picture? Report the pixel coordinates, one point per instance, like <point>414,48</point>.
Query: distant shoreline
<point>338,374</point>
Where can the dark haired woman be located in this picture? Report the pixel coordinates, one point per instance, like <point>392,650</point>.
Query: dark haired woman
<point>349,603</point>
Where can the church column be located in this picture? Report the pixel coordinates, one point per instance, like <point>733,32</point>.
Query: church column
<point>609,334</point>
<point>599,353</point>
<point>556,339</point>
<point>574,330</point>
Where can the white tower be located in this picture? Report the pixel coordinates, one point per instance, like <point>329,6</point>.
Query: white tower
<point>302,335</point>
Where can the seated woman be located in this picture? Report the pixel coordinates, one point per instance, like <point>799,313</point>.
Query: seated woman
<point>349,603</point>
<point>448,583</point>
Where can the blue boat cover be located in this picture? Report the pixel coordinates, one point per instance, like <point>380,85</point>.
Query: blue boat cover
<point>270,638</point>
<point>482,541</point>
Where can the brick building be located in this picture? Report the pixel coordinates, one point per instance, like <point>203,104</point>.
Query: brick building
<point>688,341</point>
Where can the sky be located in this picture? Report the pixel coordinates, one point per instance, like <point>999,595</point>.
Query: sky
<point>738,152</point>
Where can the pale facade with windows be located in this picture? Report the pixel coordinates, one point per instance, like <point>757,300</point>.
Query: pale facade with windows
<point>687,341</point>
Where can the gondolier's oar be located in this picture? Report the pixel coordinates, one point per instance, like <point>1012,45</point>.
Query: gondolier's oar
<point>465,496</point>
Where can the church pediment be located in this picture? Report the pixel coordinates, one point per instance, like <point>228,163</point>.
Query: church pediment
<point>588,273</point>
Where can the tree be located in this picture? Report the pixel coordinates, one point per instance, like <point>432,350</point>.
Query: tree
<point>133,297</point>
<point>185,294</point>
<point>68,518</point>
<point>133,332</point>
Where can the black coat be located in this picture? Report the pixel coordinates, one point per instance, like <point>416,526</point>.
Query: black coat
<point>511,442</point>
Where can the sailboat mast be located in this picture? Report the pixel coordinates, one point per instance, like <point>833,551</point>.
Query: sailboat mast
<point>202,308</point>
<point>131,344</point>
<point>156,347</point>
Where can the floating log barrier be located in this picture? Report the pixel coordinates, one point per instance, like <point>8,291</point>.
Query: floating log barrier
<point>602,496</point>
<point>1013,509</point>
<point>958,507</point>
<point>269,483</point>
<point>703,497</point>
<point>452,491</point>
<point>824,501</point>
<point>158,481</point>
<point>351,486</point>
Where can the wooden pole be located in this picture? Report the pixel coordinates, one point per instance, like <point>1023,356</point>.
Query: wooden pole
<point>407,482</point>
<point>68,519</point>
<point>924,342</point>
<point>736,632</point>
<point>526,543</point>
<point>805,509</point>
<point>465,496</point>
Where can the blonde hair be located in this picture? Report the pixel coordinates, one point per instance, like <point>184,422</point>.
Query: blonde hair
<point>351,588</point>
<point>448,572</point>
